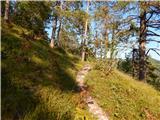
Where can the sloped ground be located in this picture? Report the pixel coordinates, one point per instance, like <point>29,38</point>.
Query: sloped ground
<point>38,83</point>
<point>122,97</point>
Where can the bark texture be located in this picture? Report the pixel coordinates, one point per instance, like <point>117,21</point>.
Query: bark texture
<point>142,49</point>
<point>52,43</point>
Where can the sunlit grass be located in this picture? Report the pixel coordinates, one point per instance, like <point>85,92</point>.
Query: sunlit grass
<point>123,97</point>
<point>39,61</point>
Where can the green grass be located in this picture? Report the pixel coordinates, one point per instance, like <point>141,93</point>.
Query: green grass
<point>124,98</point>
<point>38,83</point>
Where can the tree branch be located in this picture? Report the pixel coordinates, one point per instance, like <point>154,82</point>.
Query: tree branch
<point>150,40</point>
<point>152,33</point>
<point>149,17</point>
<point>153,49</point>
<point>153,25</point>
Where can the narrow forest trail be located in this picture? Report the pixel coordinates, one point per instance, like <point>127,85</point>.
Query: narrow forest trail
<point>94,108</point>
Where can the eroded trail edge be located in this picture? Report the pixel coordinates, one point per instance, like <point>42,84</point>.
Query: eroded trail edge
<point>94,108</point>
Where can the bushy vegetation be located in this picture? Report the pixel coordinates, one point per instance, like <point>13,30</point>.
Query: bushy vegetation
<point>122,97</point>
<point>37,82</point>
<point>153,74</point>
<point>125,65</point>
<point>105,66</point>
<point>153,70</point>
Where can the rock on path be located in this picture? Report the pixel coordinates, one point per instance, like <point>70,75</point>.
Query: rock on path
<point>92,105</point>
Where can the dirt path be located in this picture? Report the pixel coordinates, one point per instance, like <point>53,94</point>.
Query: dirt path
<point>92,105</point>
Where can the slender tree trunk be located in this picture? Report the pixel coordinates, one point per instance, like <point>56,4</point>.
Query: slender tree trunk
<point>112,45</point>
<point>6,15</point>
<point>95,51</point>
<point>101,49</point>
<point>96,44</point>
<point>106,44</point>
<point>133,62</point>
<point>53,32</point>
<point>59,27</point>
<point>85,37</point>
<point>142,49</point>
<point>59,33</point>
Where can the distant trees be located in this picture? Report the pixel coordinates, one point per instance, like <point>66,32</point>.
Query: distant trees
<point>126,65</point>
<point>68,22</point>
<point>103,21</point>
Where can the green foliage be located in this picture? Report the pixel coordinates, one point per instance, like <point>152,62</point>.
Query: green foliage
<point>123,97</point>
<point>153,73</point>
<point>105,66</point>
<point>125,65</point>
<point>32,15</point>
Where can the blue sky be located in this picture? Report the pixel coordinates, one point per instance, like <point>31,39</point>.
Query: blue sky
<point>122,55</point>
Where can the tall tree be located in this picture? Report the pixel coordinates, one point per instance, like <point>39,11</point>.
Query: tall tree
<point>85,35</point>
<point>147,32</point>
<point>142,42</point>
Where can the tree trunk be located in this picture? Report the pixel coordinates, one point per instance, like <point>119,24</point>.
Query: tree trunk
<point>112,45</point>
<point>6,16</point>
<point>85,37</point>
<point>59,33</point>
<point>142,49</point>
<point>101,50</point>
<point>59,27</point>
<point>53,32</point>
<point>95,52</point>
<point>106,45</point>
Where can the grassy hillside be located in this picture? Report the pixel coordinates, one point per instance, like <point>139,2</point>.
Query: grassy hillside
<point>155,62</point>
<point>124,98</point>
<point>38,83</point>
<point>153,76</point>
